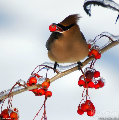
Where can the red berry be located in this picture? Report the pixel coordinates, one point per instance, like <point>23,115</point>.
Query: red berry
<point>91,84</point>
<point>101,83</point>
<point>88,80</point>
<point>13,115</point>
<point>52,27</point>
<point>15,109</point>
<point>48,93</point>
<point>81,83</point>
<point>98,56</point>
<point>35,91</point>
<point>84,107</point>
<point>5,115</point>
<point>41,92</point>
<point>94,52</point>
<point>28,84</point>
<point>89,74</point>
<point>89,46</point>
<point>88,101</point>
<point>45,85</point>
<point>91,112</point>
<point>96,74</point>
<point>32,81</point>
<point>4,111</point>
<point>96,86</point>
<point>92,107</point>
<point>80,112</point>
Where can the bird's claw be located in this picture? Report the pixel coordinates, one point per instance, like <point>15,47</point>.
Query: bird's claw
<point>55,66</point>
<point>79,65</point>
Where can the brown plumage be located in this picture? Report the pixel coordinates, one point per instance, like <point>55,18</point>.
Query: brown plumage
<point>71,19</point>
<point>69,45</point>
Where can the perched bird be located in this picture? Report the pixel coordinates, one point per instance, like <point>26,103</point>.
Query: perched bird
<point>66,43</point>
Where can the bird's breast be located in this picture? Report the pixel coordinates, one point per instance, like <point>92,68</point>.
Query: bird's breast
<point>65,51</point>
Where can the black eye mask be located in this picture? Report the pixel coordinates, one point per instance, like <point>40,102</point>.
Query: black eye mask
<point>64,28</point>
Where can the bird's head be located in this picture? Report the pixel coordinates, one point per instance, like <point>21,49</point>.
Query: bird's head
<point>65,25</point>
<point>59,27</point>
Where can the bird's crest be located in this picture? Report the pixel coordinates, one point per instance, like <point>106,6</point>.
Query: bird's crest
<point>71,19</point>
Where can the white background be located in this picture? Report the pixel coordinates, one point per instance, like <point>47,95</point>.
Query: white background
<point>23,34</point>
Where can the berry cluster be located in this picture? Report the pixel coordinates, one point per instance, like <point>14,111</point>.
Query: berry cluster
<point>88,107</point>
<point>39,91</point>
<point>9,114</point>
<point>35,79</point>
<point>92,79</point>
<point>94,51</point>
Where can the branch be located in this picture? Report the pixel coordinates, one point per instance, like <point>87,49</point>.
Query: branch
<point>61,74</point>
<point>109,46</point>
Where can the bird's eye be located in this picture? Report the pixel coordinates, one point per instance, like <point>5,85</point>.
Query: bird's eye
<point>52,27</point>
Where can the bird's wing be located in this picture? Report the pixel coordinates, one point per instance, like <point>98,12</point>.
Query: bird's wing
<point>53,36</point>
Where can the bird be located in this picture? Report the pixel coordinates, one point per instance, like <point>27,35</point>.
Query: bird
<point>66,43</point>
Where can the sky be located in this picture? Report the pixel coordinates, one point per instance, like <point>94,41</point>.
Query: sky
<point>24,30</point>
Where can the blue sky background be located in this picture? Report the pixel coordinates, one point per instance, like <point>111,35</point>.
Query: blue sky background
<point>23,34</point>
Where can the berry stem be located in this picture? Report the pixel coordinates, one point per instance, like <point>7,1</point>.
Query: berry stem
<point>83,74</point>
<point>85,82</point>
<point>45,108</point>
<point>39,109</point>
<point>86,93</point>
<point>83,92</point>
<point>92,63</point>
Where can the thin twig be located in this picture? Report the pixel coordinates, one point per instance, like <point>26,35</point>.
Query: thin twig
<point>59,75</point>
